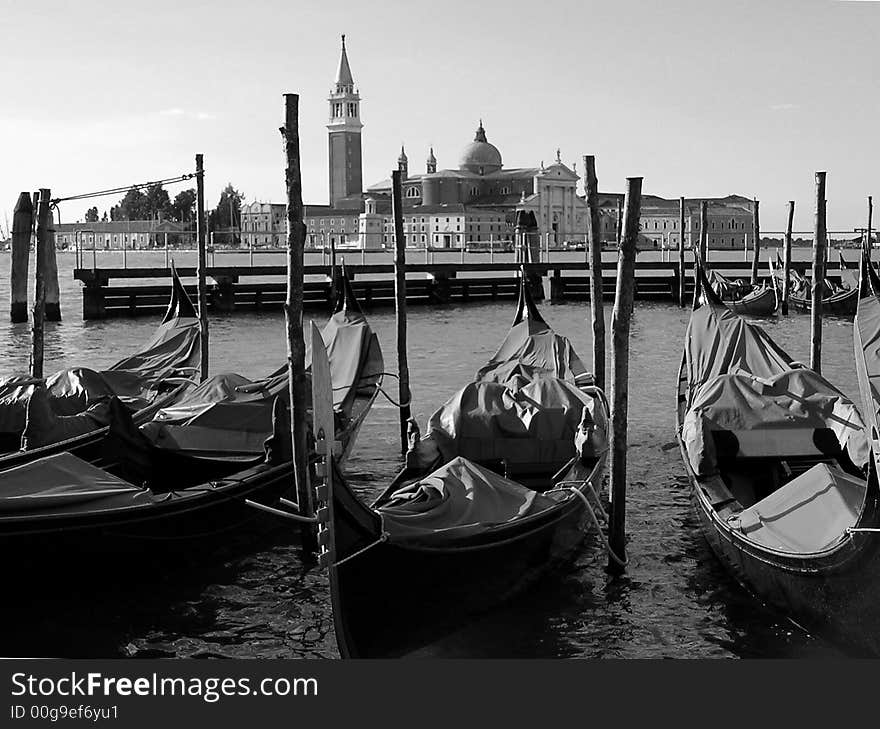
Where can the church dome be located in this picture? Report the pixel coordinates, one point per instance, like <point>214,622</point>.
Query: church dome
<point>480,156</point>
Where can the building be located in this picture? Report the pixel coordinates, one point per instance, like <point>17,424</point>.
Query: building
<point>120,234</point>
<point>472,205</point>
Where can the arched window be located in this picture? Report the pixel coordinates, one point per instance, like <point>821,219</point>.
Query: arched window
<point>412,191</point>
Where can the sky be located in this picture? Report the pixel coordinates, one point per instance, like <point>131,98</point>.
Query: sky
<point>699,98</point>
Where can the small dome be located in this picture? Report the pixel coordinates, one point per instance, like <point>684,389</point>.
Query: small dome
<point>480,156</point>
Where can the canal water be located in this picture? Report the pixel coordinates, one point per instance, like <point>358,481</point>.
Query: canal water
<point>252,596</point>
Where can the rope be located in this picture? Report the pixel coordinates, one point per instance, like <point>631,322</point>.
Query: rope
<point>117,190</point>
<point>382,538</point>
<point>622,562</point>
<point>868,530</point>
<point>586,482</point>
<point>393,401</point>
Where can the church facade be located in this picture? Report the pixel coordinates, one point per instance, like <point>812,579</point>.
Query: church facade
<point>471,205</point>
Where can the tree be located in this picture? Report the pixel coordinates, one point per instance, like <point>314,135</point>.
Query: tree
<point>132,207</point>
<point>157,201</point>
<point>225,219</point>
<point>92,215</point>
<point>184,205</point>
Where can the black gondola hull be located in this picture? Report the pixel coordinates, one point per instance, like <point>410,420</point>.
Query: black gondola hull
<point>394,600</point>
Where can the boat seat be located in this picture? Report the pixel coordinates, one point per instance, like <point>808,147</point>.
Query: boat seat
<point>195,439</point>
<point>776,443</point>
<point>809,514</point>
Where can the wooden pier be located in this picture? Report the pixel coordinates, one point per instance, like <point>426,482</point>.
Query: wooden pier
<point>263,288</point>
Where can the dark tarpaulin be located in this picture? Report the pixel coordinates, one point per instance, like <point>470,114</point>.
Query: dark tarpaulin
<point>231,401</point>
<point>740,379</point>
<point>457,500</point>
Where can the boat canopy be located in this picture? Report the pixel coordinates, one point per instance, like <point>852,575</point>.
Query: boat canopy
<point>740,380</point>
<point>459,499</point>
<point>63,483</point>
<point>532,347</point>
<point>520,421</point>
<point>809,514</point>
<point>356,365</point>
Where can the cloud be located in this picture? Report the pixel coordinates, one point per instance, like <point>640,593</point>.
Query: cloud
<point>784,107</point>
<point>172,112</point>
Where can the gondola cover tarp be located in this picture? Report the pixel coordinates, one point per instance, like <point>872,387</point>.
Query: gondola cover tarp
<point>460,498</point>
<point>63,483</point>
<point>741,380</point>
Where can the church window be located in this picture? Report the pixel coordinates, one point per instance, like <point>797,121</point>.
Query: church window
<point>474,191</point>
<point>505,190</point>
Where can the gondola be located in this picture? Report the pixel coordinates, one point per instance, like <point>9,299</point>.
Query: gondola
<point>495,495</point>
<point>37,413</point>
<point>780,473</point>
<point>837,300</point>
<point>232,413</point>
<point>746,300</point>
<point>161,483</point>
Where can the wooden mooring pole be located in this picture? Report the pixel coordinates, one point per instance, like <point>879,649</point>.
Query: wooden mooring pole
<point>704,231</point>
<point>619,222</point>
<point>53,292</point>
<point>819,243</point>
<point>202,265</point>
<point>868,243</point>
<point>756,243</point>
<point>22,227</point>
<point>594,243</point>
<point>786,258</point>
<point>400,306</point>
<point>41,246</point>
<point>332,270</point>
<point>681,265</point>
<point>293,311</point>
<point>620,325</point>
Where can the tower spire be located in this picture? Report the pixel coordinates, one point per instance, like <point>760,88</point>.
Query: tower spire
<point>344,80</point>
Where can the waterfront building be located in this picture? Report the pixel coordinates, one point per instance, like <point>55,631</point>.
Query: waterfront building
<point>119,234</point>
<point>473,204</point>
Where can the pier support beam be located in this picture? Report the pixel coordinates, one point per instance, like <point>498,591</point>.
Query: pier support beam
<point>22,227</point>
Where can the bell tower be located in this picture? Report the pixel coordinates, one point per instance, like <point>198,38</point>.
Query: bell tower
<point>344,127</point>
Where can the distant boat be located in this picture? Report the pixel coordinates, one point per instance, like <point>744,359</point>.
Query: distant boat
<point>745,299</point>
<point>73,404</point>
<point>777,458</point>
<point>496,495</point>
<point>837,300</point>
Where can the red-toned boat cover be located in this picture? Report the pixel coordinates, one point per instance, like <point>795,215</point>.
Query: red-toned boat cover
<point>458,499</point>
<point>739,379</point>
<point>66,484</point>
